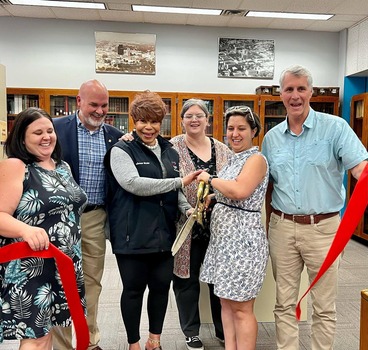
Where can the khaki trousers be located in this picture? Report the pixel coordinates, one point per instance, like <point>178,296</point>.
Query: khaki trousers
<point>93,260</point>
<point>292,246</point>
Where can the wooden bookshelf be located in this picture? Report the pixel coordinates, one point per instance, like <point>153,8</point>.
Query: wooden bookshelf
<point>359,123</point>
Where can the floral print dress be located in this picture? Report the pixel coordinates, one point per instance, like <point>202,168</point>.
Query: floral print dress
<point>237,255</point>
<point>32,297</point>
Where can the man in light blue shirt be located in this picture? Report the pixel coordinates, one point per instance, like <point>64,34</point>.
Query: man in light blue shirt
<point>308,155</point>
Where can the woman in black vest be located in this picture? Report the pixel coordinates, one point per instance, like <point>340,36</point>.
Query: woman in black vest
<point>144,196</point>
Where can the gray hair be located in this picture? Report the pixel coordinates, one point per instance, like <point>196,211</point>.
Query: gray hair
<point>194,102</point>
<point>297,71</point>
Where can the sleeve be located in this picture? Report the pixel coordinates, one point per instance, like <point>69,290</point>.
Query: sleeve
<point>183,204</point>
<point>129,179</point>
<point>349,147</point>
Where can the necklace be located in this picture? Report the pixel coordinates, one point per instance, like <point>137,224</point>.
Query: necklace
<point>152,147</point>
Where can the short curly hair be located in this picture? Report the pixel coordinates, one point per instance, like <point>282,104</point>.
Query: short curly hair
<point>148,106</point>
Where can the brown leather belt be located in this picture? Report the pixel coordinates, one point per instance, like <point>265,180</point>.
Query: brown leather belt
<point>305,219</point>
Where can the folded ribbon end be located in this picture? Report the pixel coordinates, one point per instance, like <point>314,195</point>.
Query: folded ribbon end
<point>298,312</point>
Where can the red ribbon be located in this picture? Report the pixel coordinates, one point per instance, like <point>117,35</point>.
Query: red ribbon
<point>65,266</point>
<point>353,213</point>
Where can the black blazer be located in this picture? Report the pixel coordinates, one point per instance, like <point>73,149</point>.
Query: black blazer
<point>66,130</point>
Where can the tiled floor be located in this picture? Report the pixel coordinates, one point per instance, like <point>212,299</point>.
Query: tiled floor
<point>353,278</point>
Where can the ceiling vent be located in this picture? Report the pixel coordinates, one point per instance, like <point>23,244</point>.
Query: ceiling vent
<point>239,13</point>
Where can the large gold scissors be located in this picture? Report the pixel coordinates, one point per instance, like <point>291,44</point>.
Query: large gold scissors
<point>197,216</point>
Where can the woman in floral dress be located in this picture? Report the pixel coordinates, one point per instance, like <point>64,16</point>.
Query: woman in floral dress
<point>236,258</point>
<point>39,203</point>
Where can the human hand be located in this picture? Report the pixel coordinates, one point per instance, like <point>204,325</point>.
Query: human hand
<point>190,177</point>
<point>208,200</point>
<point>189,212</point>
<point>127,137</point>
<point>37,238</point>
<point>204,176</point>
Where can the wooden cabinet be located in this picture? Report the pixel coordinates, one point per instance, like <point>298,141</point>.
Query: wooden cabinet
<point>214,127</point>
<point>169,124</point>
<point>60,102</point>
<point>19,99</point>
<point>359,123</point>
<point>118,114</point>
<point>272,110</point>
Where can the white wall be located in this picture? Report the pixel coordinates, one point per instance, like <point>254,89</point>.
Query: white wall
<point>61,54</point>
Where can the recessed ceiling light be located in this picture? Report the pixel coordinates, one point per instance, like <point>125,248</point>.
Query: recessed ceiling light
<point>74,4</point>
<point>185,10</point>
<point>289,15</point>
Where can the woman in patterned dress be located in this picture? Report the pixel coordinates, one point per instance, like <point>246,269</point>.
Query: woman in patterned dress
<point>39,203</point>
<point>236,258</point>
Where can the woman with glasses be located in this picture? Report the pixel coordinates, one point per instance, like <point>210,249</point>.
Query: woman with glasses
<point>196,151</point>
<point>236,258</point>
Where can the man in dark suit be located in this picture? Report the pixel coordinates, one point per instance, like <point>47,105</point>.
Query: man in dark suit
<point>85,138</point>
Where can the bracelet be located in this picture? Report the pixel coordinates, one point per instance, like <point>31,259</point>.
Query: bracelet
<point>211,178</point>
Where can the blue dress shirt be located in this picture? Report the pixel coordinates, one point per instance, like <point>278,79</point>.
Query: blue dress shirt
<point>307,170</point>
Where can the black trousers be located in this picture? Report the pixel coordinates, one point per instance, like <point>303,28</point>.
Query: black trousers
<point>137,272</point>
<point>187,295</point>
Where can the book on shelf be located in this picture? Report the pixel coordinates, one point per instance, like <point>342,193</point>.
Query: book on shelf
<point>18,103</point>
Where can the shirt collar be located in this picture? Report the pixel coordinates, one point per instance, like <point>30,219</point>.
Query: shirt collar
<point>308,122</point>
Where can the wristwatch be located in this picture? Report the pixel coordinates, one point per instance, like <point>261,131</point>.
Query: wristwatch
<point>211,178</point>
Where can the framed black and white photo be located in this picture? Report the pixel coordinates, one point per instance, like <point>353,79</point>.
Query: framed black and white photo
<point>127,53</point>
<point>246,58</point>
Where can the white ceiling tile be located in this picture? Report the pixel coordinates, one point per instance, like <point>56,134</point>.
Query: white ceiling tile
<point>213,21</point>
<point>335,26</point>
<point>4,12</point>
<point>30,11</point>
<point>122,16</point>
<point>175,18</point>
<point>118,6</point>
<point>348,13</point>
<point>78,14</point>
<point>218,4</point>
<point>353,7</point>
<point>263,5</point>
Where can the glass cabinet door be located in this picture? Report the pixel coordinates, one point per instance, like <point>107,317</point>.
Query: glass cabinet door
<point>166,124</point>
<point>275,113</point>
<point>324,107</point>
<point>118,114</point>
<point>228,102</point>
<point>212,106</point>
<point>19,99</point>
<point>16,102</point>
<point>62,105</point>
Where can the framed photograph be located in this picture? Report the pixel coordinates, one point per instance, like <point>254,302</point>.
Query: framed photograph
<point>125,53</point>
<point>246,58</point>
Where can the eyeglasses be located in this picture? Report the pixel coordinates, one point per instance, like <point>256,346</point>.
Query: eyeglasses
<point>191,116</point>
<point>241,109</point>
